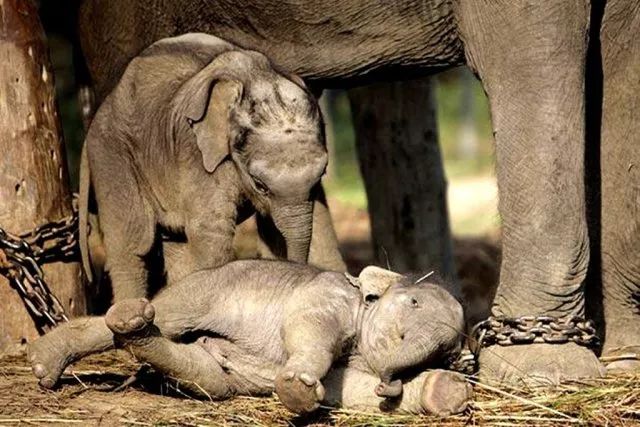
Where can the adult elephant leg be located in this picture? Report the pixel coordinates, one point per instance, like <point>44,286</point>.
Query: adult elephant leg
<point>620,174</point>
<point>397,142</point>
<point>531,59</point>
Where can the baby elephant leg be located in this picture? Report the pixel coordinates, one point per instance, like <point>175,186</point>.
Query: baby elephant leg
<point>51,353</point>
<point>437,392</point>
<point>312,336</point>
<point>298,383</point>
<point>310,341</point>
<point>131,322</point>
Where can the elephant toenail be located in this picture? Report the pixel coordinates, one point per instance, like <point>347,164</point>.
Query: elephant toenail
<point>307,379</point>
<point>288,375</point>
<point>320,391</point>
<point>149,312</point>
<point>39,370</point>
<point>47,382</point>
<point>136,323</point>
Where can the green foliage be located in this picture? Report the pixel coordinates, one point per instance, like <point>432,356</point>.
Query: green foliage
<point>346,183</point>
<point>449,96</point>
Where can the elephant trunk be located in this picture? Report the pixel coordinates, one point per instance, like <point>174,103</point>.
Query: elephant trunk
<point>295,222</point>
<point>411,354</point>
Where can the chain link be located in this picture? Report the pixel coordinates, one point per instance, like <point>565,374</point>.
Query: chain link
<point>466,362</point>
<point>20,260</point>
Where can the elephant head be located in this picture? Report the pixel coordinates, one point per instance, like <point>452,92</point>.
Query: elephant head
<point>270,126</point>
<point>406,324</point>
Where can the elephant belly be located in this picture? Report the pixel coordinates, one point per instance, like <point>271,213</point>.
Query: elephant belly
<point>247,373</point>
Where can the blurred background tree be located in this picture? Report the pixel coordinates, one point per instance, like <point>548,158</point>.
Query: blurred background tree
<point>466,142</point>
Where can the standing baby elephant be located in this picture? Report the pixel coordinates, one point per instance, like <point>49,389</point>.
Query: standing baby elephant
<point>196,136</point>
<point>260,326</point>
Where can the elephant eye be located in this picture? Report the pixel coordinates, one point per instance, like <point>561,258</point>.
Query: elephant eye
<point>414,303</point>
<point>260,186</point>
<point>369,298</point>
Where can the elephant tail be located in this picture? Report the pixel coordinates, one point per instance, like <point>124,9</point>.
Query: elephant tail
<point>83,214</point>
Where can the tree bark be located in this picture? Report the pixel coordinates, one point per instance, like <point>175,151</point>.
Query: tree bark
<point>397,141</point>
<point>34,186</point>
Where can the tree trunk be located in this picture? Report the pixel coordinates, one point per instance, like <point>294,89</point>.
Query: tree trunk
<point>397,141</point>
<point>34,186</point>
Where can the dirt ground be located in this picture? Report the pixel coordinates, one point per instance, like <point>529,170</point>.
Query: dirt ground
<point>86,396</point>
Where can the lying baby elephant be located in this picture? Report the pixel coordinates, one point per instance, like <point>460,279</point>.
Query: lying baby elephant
<point>198,135</point>
<point>260,326</point>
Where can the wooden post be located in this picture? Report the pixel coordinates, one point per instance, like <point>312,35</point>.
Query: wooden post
<point>34,187</point>
<point>397,141</point>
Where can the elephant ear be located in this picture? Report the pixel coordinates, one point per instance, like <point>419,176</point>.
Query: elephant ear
<point>374,281</point>
<point>208,115</point>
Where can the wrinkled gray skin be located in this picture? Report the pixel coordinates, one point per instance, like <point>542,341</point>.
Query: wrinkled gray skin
<point>532,58</point>
<point>196,135</point>
<point>265,325</point>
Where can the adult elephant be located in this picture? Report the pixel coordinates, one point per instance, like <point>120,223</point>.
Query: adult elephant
<point>532,60</point>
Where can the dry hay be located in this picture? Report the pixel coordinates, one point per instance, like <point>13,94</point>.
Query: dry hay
<point>85,399</point>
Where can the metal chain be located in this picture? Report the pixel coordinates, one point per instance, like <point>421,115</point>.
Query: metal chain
<point>20,260</point>
<point>508,331</point>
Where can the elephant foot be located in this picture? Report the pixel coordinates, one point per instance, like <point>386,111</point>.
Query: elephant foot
<point>48,356</point>
<point>300,392</point>
<point>622,359</point>
<point>621,347</point>
<point>130,318</point>
<point>538,364</point>
<point>445,393</point>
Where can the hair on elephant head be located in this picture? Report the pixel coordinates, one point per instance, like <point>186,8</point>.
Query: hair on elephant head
<point>407,323</point>
<point>269,124</point>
